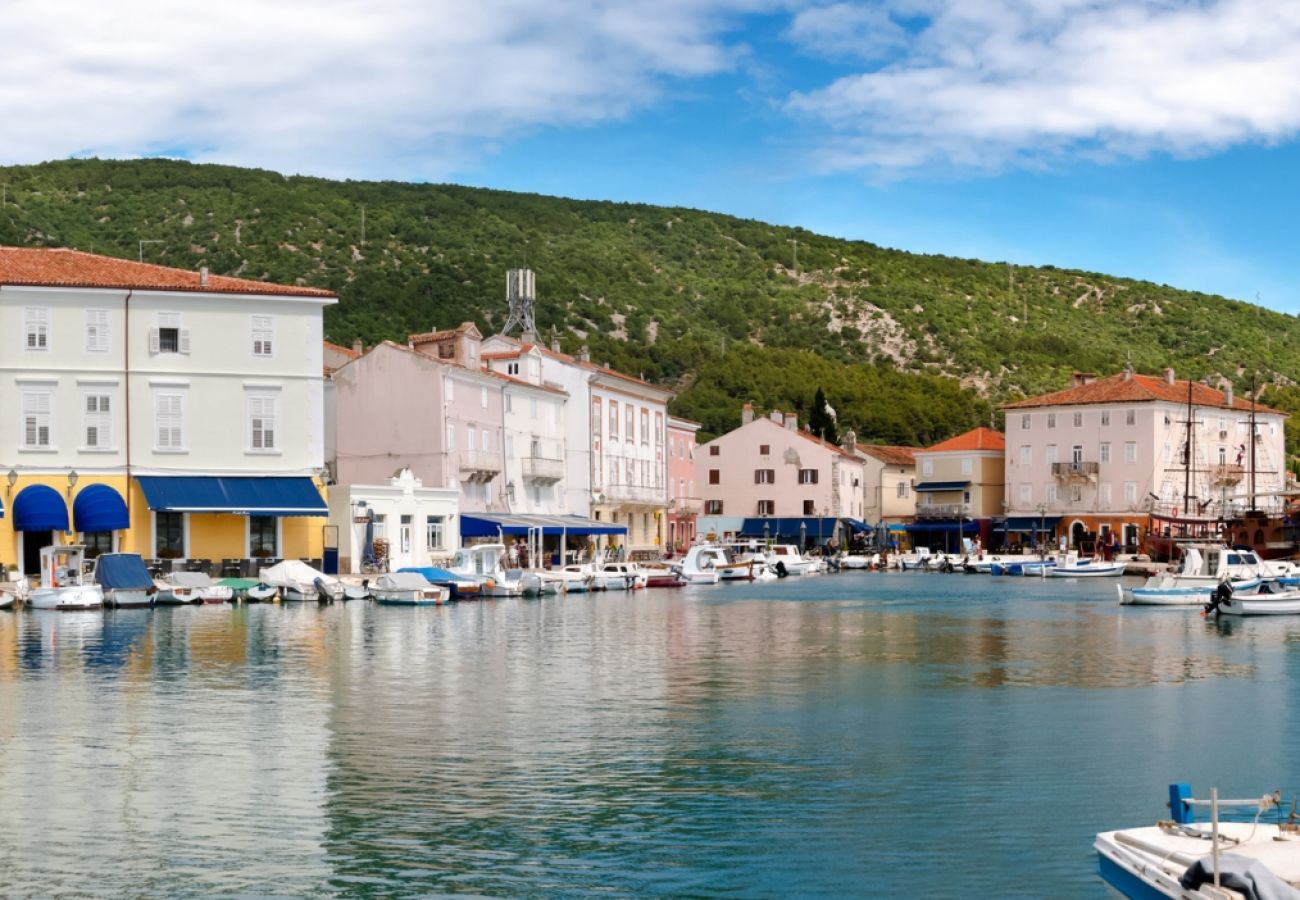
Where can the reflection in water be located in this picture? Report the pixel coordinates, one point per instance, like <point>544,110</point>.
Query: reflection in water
<point>810,737</point>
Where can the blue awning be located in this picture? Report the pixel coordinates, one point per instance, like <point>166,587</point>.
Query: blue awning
<point>239,495</point>
<point>39,507</point>
<point>1029,523</point>
<point>491,525</point>
<point>968,526</point>
<point>788,526</point>
<point>934,486</point>
<point>856,525</point>
<point>99,508</point>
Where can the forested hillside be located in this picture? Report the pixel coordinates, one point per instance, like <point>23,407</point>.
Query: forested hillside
<point>712,305</point>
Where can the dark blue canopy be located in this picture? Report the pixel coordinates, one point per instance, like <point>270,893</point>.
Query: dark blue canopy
<point>788,526</point>
<point>99,508</point>
<point>240,495</point>
<point>122,572</point>
<point>1028,523</point>
<point>39,507</point>
<point>491,525</point>
<point>936,486</point>
<point>968,526</point>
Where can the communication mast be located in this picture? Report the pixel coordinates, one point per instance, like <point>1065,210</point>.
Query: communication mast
<point>521,294</point>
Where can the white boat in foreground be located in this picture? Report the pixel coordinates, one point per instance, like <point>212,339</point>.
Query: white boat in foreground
<point>124,579</point>
<point>485,565</point>
<point>1087,568</point>
<point>63,586</point>
<point>1192,854</point>
<point>1269,600</point>
<point>621,576</point>
<point>408,589</point>
<point>1203,567</point>
<point>192,587</point>
<point>299,581</point>
<point>699,565</point>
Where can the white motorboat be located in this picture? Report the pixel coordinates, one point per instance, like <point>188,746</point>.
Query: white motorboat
<point>124,579</point>
<point>1203,567</point>
<point>1271,599</point>
<point>62,584</point>
<point>1088,567</point>
<point>191,587</point>
<point>408,589</point>
<point>621,576</point>
<point>484,564</point>
<point>699,565</point>
<point>788,557</point>
<point>6,600</point>
<point>298,581</point>
<point>573,578</point>
<point>1184,857</point>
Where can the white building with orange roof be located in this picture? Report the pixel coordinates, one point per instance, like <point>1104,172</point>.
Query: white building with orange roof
<point>889,495</point>
<point>172,413</point>
<point>769,480</point>
<point>959,487</point>
<point>1101,456</point>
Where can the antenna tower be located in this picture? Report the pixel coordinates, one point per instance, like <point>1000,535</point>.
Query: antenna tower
<point>521,294</point>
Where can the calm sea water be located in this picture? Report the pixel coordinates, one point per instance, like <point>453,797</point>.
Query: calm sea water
<point>859,734</point>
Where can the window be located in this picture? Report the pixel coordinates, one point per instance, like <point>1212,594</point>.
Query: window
<point>809,508</point>
<point>659,428</point>
<point>807,476</point>
<point>1076,493</point>
<point>1130,494</point>
<point>1026,495</point>
<point>96,330</point>
<point>765,476</point>
<point>1049,494</point>
<point>512,368</point>
<point>1051,420</point>
<point>613,419</point>
<point>451,436</point>
<point>645,428</point>
<point>532,407</point>
<point>966,465</point>
<point>470,434</point>
<point>766,507</point>
<point>38,410</point>
<point>261,421</point>
<point>1076,455</point>
<point>596,421</point>
<point>927,467</point>
<point>1026,455</point>
<point>487,441</point>
<point>381,525</point>
<point>510,446</point>
<point>97,542</point>
<point>451,391</point>
<point>715,476</point>
<point>1105,418</point>
<point>713,507</point>
<point>169,421</point>
<point>1051,454</point>
<point>902,490</point>
<point>434,533</point>
<point>1024,422</point>
<point>96,422</point>
<point>262,538</point>
<point>263,335</point>
<point>36,328</point>
<point>509,400</point>
<point>1130,417</point>
<point>404,533</point>
<point>629,422</point>
<point>764,449</point>
<point>1130,451</point>
<point>1103,495</point>
<point>169,336</point>
<point>715,450</point>
<point>1104,453</point>
<point>169,534</point>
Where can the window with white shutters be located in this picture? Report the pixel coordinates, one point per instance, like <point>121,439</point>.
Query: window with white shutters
<point>38,408</point>
<point>169,421</point>
<point>36,328</point>
<point>263,335</point>
<point>96,331</point>
<point>169,336</point>
<point>261,421</point>
<point>97,421</point>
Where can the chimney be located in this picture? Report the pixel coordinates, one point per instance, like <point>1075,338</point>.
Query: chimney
<point>775,416</point>
<point>584,354</point>
<point>791,421</point>
<point>747,414</point>
<point>555,343</point>
<point>358,347</point>
<point>203,276</point>
<point>1082,378</point>
<point>1227,394</point>
<point>849,442</point>
<point>1169,376</point>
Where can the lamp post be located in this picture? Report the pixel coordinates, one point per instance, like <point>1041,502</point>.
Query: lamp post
<point>803,535</point>
<point>766,541</point>
<point>1042,530</point>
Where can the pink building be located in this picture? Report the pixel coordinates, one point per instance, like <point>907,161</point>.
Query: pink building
<point>769,473</point>
<point>683,499</point>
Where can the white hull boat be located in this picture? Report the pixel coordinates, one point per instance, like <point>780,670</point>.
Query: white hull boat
<point>1183,857</point>
<point>484,564</point>
<point>1088,568</point>
<point>574,578</point>
<point>700,564</point>
<point>1203,567</point>
<point>1270,600</point>
<point>622,576</point>
<point>124,579</point>
<point>298,581</point>
<point>6,600</point>
<point>408,589</point>
<point>63,584</point>
<point>81,596</point>
<point>192,587</point>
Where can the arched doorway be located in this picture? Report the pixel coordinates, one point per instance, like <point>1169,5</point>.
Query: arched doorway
<point>39,512</point>
<point>1078,534</point>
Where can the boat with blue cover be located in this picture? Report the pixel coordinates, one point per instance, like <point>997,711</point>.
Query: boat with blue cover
<point>124,579</point>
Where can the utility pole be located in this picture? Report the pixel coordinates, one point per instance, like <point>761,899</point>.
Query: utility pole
<point>142,243</point>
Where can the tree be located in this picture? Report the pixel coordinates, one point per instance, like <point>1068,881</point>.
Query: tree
<point>821,418</point>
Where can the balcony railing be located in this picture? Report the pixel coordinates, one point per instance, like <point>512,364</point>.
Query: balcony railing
<point>479,465</point>
<point>543,469</point>
<point>943,510</point>
<point>1227,473</point>
<point>635,493</point>
<point>1075,469</point>
<point>685,506</point>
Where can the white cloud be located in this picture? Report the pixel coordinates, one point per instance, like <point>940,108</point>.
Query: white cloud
<point>991,83</point>
<point>408,88</point>
<point>863,30</point>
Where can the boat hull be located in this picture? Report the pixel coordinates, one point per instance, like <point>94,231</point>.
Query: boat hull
<point>412,597</point>
<point>84,596</point>
<point>128,599</point>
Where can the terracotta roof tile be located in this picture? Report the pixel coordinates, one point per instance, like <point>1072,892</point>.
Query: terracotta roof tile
<point>57,267</point>
<point>346,351</point>
<point>975,439</point>
<point>1135,388</point>
<point>890,456</point>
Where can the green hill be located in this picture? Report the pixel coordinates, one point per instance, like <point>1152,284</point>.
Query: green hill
<point>709,303</point>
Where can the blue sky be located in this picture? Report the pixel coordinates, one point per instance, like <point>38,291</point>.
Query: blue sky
<point>1154,139</point>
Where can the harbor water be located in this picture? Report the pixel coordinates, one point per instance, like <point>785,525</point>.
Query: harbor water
<point>860,734</point>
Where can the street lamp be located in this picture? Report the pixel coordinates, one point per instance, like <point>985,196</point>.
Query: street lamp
<point>766,542</point>
<point>803,535</point>
<point>1042,529</point>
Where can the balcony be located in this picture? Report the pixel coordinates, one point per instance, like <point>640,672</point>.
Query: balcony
<point>542,469</point>
<point>943,510</point>
<point>478,466</point>
<point>1226,474</point>
<point>685,506</point>
<point>635,493</point>
<point>1068,471</point>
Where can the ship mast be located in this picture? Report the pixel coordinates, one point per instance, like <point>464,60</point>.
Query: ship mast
<point>1187,455</point>
<point>1254,507</point>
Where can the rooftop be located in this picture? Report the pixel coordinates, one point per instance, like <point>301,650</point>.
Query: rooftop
<point>975,439</point>
<point>890,456</point>
<point>1133,388</point>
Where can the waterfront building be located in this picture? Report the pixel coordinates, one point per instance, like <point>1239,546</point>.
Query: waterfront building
<point>534,434</point>
<point>889,478</point>
<point>769,480</point>
<point>1103,454</point>
<point>170,413</point>
<point>418,524</point>
<point>684,504</point>
<point>959,490</point>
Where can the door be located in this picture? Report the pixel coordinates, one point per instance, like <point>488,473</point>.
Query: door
<point>33,541</point>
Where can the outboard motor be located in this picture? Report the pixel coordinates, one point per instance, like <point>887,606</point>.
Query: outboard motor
<point>1222,594</point>
<point>780,569</point>
<point>322,593</point>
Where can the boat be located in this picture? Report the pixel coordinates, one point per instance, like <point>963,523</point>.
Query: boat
<point>574,578</point>
<point>124,580</point>
<point>459,587</point>
<point>192,587</point>
<point>1088,567</point>
<point>408,589</point>
<point>1028,566</point>
<point>621,576</point>
<point>63,585</point>
<point>6,600</point>
<point>1270,600</point>
<point>239,588</point>
<point>298,581</point>
<point>1204,566</point>
<point>261,592</point>
<point>788,557</point>
<point>360,591</point>
<point>483,563</point>
<point>699,565</point>
<point>663,575</point>
<point>1222,856</point>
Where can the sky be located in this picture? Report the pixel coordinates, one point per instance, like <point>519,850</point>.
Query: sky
<point>1153,139</point>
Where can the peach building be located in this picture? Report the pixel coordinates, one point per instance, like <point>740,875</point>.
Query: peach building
<point>684,504</point>
<point>959,490</point>
<point>889,497</point>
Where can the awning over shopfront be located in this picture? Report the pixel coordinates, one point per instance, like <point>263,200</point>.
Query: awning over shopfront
<point>1028,523</point>
<point>788,526</point>
<point>491,525</point>
<point>856,526</point>
<point>99,508</point>
<point>936,486</point>
<point>238,495</point>
<point>967,527</point>
<point>39,507</point>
